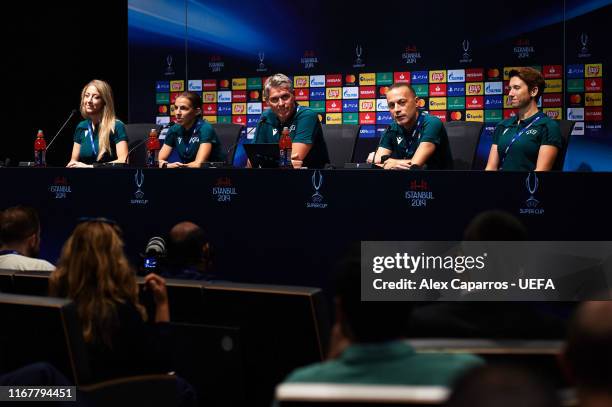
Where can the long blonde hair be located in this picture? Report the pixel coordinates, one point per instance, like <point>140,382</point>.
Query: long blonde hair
<point>107,124</point>
<point>94,272</point>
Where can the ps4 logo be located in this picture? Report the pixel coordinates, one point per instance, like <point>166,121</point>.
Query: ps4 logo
<point>419,77</point>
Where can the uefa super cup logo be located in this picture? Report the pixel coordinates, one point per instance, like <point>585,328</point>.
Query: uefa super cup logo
<point>316,200</point>
<point>584,41</point>
<point>531,202</point>
<point>139,178</point>
<point>169,66</point>
<point>358,61</point>
<point>262,67</point>
<point>317,197</point>
<point>466,57</point>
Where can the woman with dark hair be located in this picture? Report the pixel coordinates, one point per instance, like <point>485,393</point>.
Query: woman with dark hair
<point>530,141</point>
<point>94,272</point>
<point>194,139</point>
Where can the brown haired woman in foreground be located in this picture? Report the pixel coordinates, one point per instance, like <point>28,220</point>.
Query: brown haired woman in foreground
<point>94,272</point>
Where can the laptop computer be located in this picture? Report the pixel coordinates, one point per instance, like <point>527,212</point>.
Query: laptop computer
<point>262,155</point>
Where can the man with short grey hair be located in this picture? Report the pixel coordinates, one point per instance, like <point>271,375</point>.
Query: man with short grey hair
<point>308,146</point>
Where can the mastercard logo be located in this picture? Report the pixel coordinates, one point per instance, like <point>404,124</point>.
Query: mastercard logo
<point>254,94</point>
<point>383,90</point>
<point>162,109</point>
<point>351,78</point>
<point>456,115</point>
<point>224,83</point>
<point>421,103</point>
<point>493,73</point>
<point>575,99</point>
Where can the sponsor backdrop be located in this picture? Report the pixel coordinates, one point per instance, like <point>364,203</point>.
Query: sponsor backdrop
<point>342,60</point>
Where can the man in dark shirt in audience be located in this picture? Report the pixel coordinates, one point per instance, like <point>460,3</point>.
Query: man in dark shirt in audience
<point>188,253</point>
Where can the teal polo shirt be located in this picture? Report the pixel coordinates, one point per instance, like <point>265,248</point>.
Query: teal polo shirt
<point>392,363</point>
<point>82,136</point>
<point>523,154</point>
<point>399,140</point>
<point>304,127</point>
<point>187,141</point>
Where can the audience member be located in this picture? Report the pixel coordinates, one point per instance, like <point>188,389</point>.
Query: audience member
<point>188,253</point>
<point>588,353</point>
<point>502,386</point>
<point>94,272</point>
<point>368,346</point>
<point>20,240</point>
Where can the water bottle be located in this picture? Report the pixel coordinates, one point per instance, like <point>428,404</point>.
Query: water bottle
<point>40,150</point>
<point>284,145</point>
<point>153,148</point>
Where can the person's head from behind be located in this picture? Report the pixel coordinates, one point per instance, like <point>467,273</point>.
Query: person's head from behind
<point>501,386</point>
<point>188,245</point>
<point>588,352</point>
<point>366,321</point>
<point>402,102</point>
<point>279,93</point>
<point>187,108</point>
<point>495,225</point>
<point>526,86</point>
<point>20,230</point>
<point>94,272</point>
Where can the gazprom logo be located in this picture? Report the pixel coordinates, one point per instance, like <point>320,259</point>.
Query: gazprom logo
<point>381,105</point>
<point>419,77</point>
<point>494,88</point>
<point>575,113</point>
<point>194,85</point>
<point>224,96</point>
<point>456,75</point>
<point>254,108</point>
<point>317,81</point>
<point>350,92</point>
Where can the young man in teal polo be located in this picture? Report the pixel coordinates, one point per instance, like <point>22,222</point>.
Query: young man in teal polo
<point>308,147</point>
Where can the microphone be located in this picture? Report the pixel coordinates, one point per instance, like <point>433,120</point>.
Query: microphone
<point>156,247</point>
<point>72,113</point>
<point>154,251</point>
<point>159,128</point>
<point>384,157</point>
<point>131,150</point>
